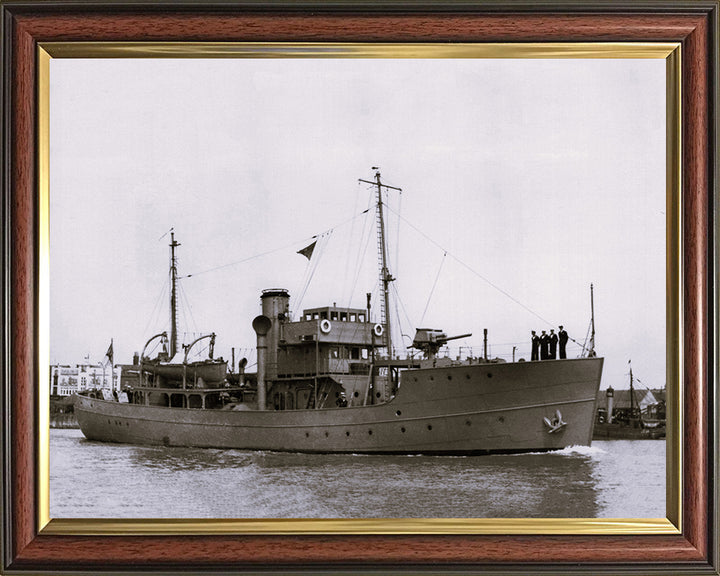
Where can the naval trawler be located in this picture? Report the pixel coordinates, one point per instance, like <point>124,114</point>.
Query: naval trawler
<point>326,383</point>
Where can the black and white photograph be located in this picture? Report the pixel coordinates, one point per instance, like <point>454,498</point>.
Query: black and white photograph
<point>286,287</point>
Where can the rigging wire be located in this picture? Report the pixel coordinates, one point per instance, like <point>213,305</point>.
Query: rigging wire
<point>266,253</point>
<point>396,263</point>
<point>156,308</point>
<point>361,250</point>
<point>587,337</point>
<point>312,266</point>
<point>166,233</point>
<point>349,248</point>
<point>364,244</point>
<point>432,290</point>
<point>476,273</point>
<point>184,298</point>
<point>400,305</point>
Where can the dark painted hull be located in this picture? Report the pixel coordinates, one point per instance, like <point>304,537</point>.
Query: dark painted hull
<point>468,409</point>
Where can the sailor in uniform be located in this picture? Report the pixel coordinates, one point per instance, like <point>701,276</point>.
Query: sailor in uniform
<point>563,338</point>
<point>553,344</point>
<point>535,340</point>
<point>544,346</point>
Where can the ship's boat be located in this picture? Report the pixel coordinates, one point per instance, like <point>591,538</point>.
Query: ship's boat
<point>325,382</point>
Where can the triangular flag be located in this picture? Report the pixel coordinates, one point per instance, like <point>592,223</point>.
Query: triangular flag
<point>109,353</point>
<point>308,250</point>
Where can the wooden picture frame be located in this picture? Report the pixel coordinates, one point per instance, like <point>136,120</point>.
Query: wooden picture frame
<point>30,548</point>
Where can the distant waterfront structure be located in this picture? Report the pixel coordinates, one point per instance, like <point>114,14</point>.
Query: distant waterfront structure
<point>68,379</point>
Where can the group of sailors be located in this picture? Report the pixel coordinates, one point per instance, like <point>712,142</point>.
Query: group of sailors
<point>545,346</point>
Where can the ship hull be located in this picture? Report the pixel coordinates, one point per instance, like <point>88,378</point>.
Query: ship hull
<point>462,409</point>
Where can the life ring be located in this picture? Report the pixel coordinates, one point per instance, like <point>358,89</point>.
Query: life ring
<point>325,326</point>
<point>378,330</point>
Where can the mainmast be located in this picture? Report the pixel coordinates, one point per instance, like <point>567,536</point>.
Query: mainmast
<point>173,295</point>
<point>385,276</point>
<point>632,394</point>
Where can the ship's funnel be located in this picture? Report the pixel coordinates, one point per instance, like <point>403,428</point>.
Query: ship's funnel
<point>261,324</point>
<point>275,304</point>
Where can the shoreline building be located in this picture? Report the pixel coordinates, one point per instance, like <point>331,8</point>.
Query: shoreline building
<point>68,379</point>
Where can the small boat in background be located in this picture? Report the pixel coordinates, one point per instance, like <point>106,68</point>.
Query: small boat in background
<point>629,415</point>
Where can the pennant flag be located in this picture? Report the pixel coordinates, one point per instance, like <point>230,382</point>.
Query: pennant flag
<point>109,353</point>
<point>308,250</point>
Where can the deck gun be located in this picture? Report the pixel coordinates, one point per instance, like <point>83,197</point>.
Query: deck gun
<point>430,340</point>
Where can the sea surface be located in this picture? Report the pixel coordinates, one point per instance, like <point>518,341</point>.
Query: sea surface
<point>611,479</point>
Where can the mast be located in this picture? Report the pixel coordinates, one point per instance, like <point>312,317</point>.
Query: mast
<point>173,295</point>
<point>385,276</point>
<point>592,322</point>
<point>632,394</point>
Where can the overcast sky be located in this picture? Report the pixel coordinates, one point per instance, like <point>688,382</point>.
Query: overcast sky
<point>524,181</point>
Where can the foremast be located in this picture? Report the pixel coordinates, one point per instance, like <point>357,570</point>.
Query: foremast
<point>385,275</point>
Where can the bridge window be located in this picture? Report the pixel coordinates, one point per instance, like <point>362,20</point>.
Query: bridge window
<point>308,316</point>
<point>361,317</point>
<point>353,317</point>
<point>333,315</point>
<point>343,316</point>
<point>355,353</point>
<point>323,315</point>
<point>364,354</point>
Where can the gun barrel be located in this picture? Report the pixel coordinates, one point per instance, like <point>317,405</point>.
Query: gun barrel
<point>457,337</point>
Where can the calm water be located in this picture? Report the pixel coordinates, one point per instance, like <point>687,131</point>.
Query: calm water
<point>612,479</point>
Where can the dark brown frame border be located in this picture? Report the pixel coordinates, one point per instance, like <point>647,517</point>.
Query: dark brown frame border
<point>692,23</point>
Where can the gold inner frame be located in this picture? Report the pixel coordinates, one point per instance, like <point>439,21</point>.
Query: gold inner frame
<point>671,52</point>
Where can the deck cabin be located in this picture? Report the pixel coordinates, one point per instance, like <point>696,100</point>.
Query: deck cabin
<point>325,358</point>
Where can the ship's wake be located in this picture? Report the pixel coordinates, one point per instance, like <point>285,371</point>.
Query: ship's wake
<point>580,451</point>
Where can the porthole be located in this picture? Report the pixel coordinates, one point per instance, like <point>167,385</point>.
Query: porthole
<point>377,394</point>
<point>432,377</point>
<point>468,423</point>
<point>307,434</point>
<point>347,433</point>
<point>356,394</point>
<point>501,419</point>
<point>489,374</point>
<point>467,376</point>
<point>449,376</point>
<point>429,426</point>
<point>414,378</point>
<point>402,429</point>
<point>369,432</point>
<point>398,413</point>
<point>326,434</point>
